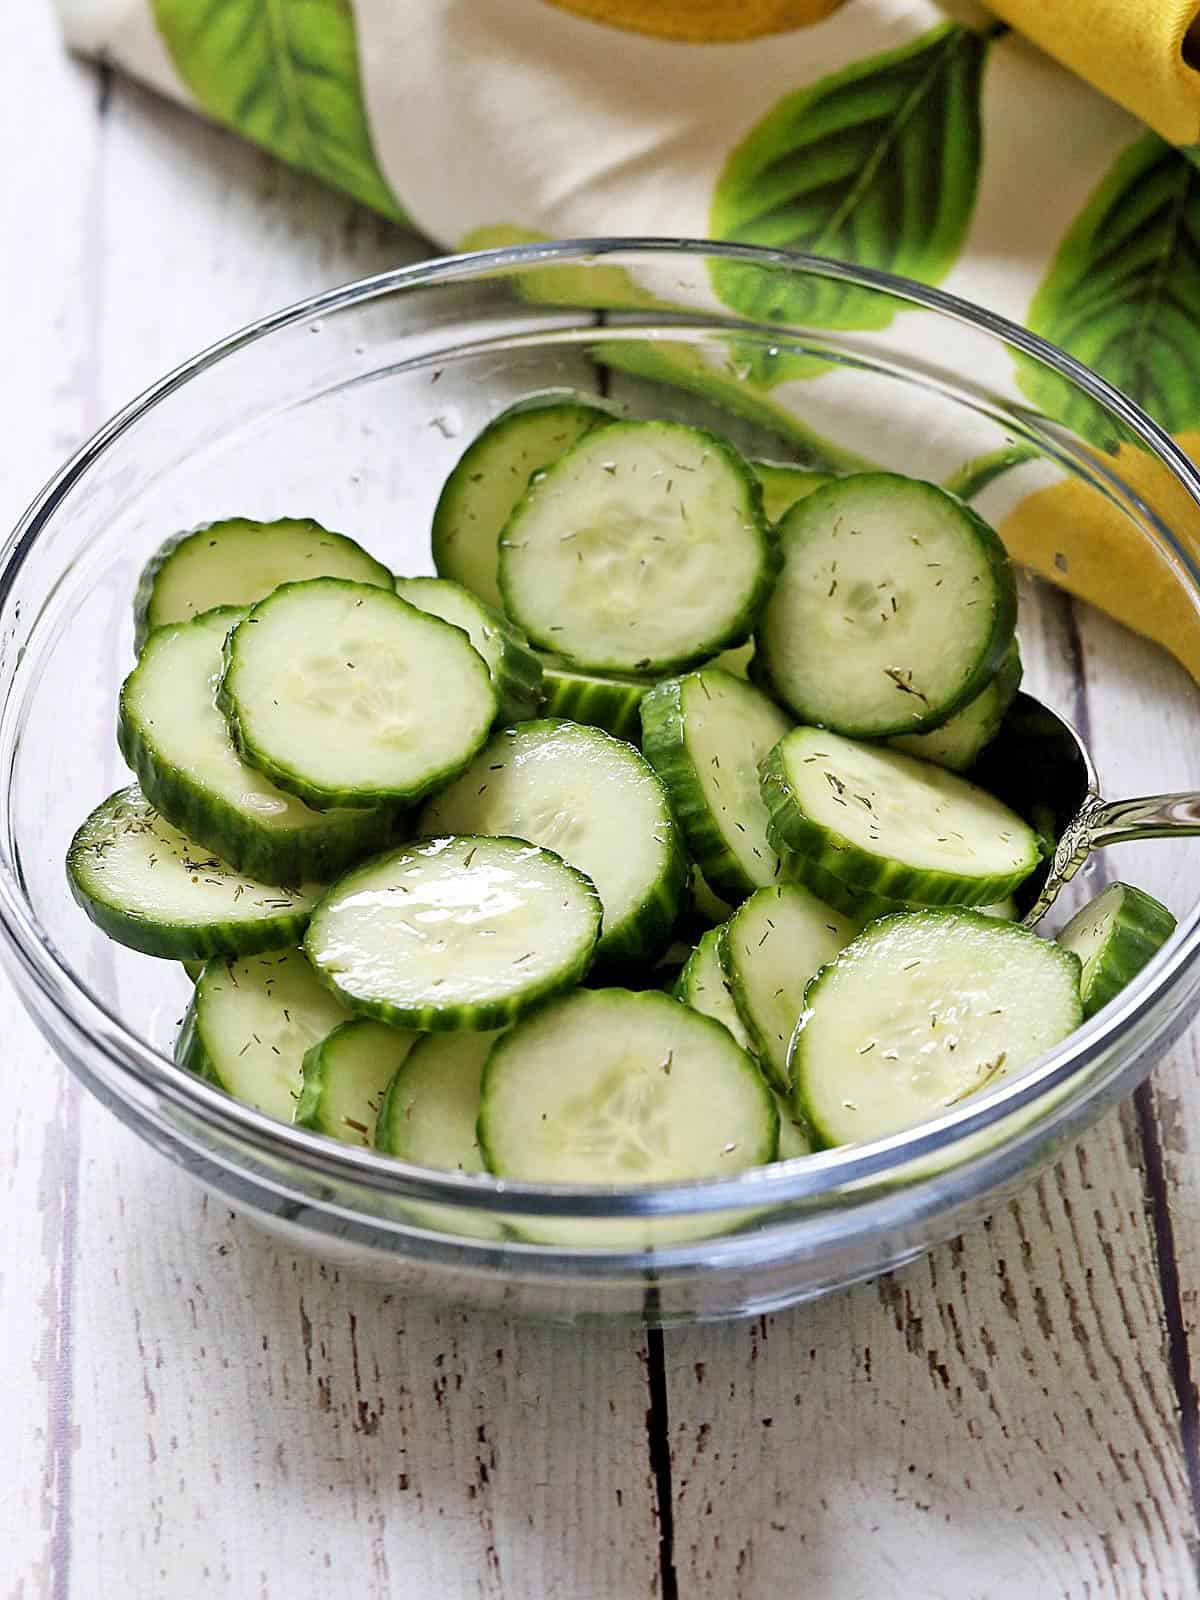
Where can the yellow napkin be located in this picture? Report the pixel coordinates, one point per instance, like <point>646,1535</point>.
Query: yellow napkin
<point>1144,53</point>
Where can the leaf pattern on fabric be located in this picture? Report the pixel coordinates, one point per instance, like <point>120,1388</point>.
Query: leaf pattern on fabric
<point>876,165</point>
<point>285,74</point>
<point>720,373</point>
<point>1122,294</point>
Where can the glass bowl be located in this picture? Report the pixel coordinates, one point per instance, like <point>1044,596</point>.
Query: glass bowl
<point>351,408</point>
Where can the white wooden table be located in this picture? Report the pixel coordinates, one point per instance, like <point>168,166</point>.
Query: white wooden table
<point>187,1410</point>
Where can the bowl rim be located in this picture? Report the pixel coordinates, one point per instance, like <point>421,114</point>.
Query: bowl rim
<point>33,959</point>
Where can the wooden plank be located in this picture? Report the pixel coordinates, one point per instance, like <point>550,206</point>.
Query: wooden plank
<point>50,113</point>
<point>276,1423</point>
<point>1142,735</point>
<point>997,1420</point>
<point>282,1423</point>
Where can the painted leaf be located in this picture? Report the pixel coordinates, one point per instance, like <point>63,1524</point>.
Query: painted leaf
<point>875,165</point>
<point>285,74</point>
<point>720,373</point>
<point>1122,295</point>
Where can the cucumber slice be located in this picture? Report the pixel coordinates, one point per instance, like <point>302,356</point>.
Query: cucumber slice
<point>250,1024</point>
<point>428,1117</point>
<point>611,1087</point>
<point>768,950</point>
<point>152,888</point>
<point>345,1077</point>
<point>238,562</point>
<point>1005,910</point>
<point>665,972</point>
<point>492,475</point>
<point>347,695</point>
<point>194,969</point>
<point>705,735</point>
<point>594,801</point>
<point>429,1112</point>
<point>702,985</point>
<point>516,669</point>
<point>737,661</point>
<point>860,905</point>
<point>795,1137</point>
<point>783,485</point>
<point>610,703</point>
<point>1114,936</point>
<point>643,549</point>
<point>455,933</point>
<point>894,607</point>
<point>176,741</point>
<point>922,1010</point>
<point>957,744</point>
<point>896,826</point>
<point>704,903</point>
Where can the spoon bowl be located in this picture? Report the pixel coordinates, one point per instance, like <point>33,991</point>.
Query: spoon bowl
<point>1039,765</point>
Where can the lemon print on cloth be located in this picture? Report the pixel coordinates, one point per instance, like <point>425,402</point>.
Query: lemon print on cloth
<point>1070,534</point>
<point>703,21</point>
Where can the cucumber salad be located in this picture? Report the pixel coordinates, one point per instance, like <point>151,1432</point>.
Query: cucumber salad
<point>639,845</point>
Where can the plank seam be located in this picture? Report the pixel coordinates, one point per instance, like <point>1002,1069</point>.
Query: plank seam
<point>1155,1188</point>
<point>658,1437</point>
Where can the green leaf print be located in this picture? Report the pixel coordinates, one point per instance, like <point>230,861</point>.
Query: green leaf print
<point>875,165</point>
<point>285,74</point>
<point>1122,294</point>
<point>720,372</point>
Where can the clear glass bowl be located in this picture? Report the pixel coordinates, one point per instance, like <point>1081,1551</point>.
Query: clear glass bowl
<point>351,408</point>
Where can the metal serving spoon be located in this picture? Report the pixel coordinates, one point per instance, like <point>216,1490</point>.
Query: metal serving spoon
<point>1039,765</point>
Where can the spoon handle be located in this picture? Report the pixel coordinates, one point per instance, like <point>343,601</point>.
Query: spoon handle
<point>1099,822</point>
<point>1157,816</point>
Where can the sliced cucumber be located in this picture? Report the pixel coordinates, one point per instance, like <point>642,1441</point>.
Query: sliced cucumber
<point>492,475</point>
<point>921,1011</point>
<point>891,824</point>
<point>152,888</point>
<point>957,744</point>
<point>194,969</point>
<point>1114,936</point>
<point>238,562</point>
<point>429,1113</point>
<point>1005,910</point>
<point>455,933</point>
<point>610,702</point>
<point>894,608</point>
<point>516,669</point>
<point>738,660</point>
<point>795,1137</point>
<point>665,972</point>
<point>783,485</point>
<point>610,1087</point>
<point>705,735</point>
<point>704,903</point>
<point>250,1024</point>
<point>703,986</point>
<point>176,741</point>
<point>769,949</point>
<point>346,695</point>
<point>345,1078</point>
<point>860,905</point>
<point>593,800</point>
<point>428,1117</point>
<point>643,549</point>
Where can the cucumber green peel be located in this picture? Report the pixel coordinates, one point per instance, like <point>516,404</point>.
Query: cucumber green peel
<point>150,887</point>
<point>1114,936</point>
<point>894,826</point>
